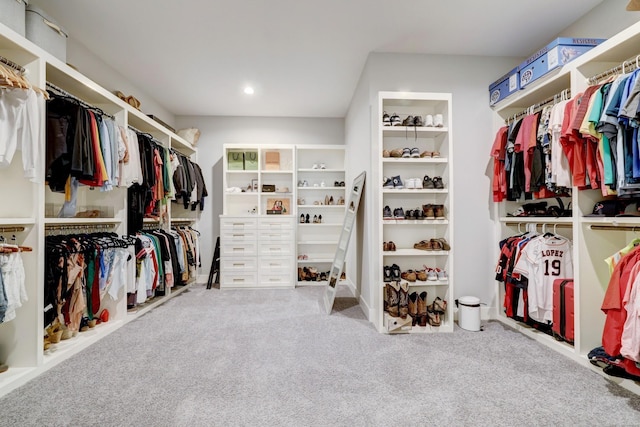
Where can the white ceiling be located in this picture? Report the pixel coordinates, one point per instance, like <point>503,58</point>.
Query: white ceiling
<point>303,57</point>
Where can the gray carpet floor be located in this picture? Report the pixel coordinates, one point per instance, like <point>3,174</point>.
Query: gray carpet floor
<point>272,357</point>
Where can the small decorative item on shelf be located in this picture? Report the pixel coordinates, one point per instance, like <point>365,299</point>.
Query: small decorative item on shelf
<point>278,206</point>
<point>268,188</point>
<point>131,100</point>
<point>272,161</point>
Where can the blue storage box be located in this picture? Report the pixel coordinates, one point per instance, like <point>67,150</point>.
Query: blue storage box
<point>557,53</point>
<point>504,86</point>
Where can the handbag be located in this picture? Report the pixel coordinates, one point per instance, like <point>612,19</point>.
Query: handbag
<point>251,160</point>
<point>235,160</point>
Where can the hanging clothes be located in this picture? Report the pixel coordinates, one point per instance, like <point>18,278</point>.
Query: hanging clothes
<point>13,292</point>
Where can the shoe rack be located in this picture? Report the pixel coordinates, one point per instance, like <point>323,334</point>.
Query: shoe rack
<point>414,268</point>
<point>321,208</point>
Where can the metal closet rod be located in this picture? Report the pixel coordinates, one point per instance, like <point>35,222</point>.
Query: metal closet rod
<point>106,226</point>
<point>633,64</point>
<point>12,64</point>
<point>11,229</point>
<point>565,94</point>
<point>82,102</point>
<point>615,227</point>
<point>548,224</point>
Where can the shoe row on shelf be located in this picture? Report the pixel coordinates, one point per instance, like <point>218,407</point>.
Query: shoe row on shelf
<point>251,189</point>
<point>393,273</point>
<point>311,274</point>
<point>328,201</point>
<point>439,244</point>
<point>305,183</point>
<point>399,303</point>
<point>428,211</point>
<point>306,219</point>
<point>425,182</point>
<point>409,153</point>
<point>430,120</point>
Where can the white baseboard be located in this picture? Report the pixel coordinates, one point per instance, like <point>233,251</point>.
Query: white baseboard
<point>368,311</point>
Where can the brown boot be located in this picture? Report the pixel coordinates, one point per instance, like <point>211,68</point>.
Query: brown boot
<point>393,292</point>
<point>403,304</point>
<point>413,308</point>
<point>422,309</point>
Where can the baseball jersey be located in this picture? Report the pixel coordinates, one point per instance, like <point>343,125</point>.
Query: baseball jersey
<point>543,260</point>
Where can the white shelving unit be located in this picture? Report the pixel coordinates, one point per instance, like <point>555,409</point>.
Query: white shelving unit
<point>257,247</point>
<point>590,246</point>
<point>406,232</point>
<point>320,168</point>
<point>34,208</point>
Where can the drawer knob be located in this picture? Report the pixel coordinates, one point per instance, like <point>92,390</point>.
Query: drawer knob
<point>238,280</point>
<point>238,264</point>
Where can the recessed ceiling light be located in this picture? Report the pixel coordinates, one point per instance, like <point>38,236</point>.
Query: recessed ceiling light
<point>248,90</point>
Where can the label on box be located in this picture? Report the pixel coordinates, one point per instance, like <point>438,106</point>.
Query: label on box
<point>513,82</point>
<point>552,58</point>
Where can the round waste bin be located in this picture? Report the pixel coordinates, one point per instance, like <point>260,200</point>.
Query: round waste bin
<point>469,313</point>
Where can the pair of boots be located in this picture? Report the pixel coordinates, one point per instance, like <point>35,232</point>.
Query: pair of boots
<point>396,299</point>
<point>418,308</point>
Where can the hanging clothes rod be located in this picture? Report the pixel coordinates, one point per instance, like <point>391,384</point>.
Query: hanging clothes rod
<point>106,226</point>
<point>614,227</point>
<point>565,94</point>
<point>12,64</point>
<point>11,229</point>
<point>53,88</point>
<point>631,63</point>
<point>547,224</point>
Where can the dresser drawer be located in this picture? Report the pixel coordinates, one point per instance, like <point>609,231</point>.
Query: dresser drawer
<point>227,236</point>
<point>276,235</point>
<point>276,280</point>
<point>238,249</point>
<point>238,280</point>
<point>275,249</point>
<point>231,223</point>
<point>275,224</point>
<point>280,265</point>
<point>238,264</point>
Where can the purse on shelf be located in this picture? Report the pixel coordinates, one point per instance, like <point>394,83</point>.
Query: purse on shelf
<point>235,160</point>
<point>251,160</point>
<point>268,188</point>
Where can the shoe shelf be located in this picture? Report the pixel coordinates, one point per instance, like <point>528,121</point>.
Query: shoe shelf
<point>282,172</point>
<point>320,188</point>
<point>321,170</point>
<point>317,242</point>
<point>17,221</point>
<point>397,160</point>
<point>409,222</point>
<point>419,139</point>
<point>322,224</point>
<point>315,260</point>
<point>416,191</point>
<point>612,221</point>
<point>321,206</point>
<point>414,252</point>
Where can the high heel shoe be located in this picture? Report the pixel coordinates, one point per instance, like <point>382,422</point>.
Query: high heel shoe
<point>341,201</point>
<point>301,218</point>
<point>331,200</point>
<point>315,219</point>
<point>307,219</point>
<point>319,219</point>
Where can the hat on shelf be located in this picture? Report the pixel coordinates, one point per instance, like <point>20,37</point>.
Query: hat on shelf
<point>190,134</point>
<point>608,208</point>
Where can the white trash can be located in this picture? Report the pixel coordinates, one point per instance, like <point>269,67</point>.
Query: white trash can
<point>469,313</point>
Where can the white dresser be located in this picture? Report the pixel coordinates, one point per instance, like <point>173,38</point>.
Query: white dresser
<point>257,251</point>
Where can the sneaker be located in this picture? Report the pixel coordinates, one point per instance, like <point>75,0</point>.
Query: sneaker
<point>437,182</point>
<point>408,121</point>
<point>399,213</point>
<point>386,120</point>
<point>322,184</point>
<point>388,183</point>
<point>300,183</point>
<point>432,275</point>
<point>305,183</point>
<point>410,184</point>
<point>429,212</point>
<point>438,120</point>
<point>417,121</point>
<point>442,275</point>
<point>427,182</point>
<point>428,120</point>
<point>387,273</point>
<point>395,272</point>
<point>408,214</point>
<point>438,211</point>
<point>415,153</point>
<point>397,182</point>
<point>406,153</point>
<point>323,166</point>
<point>315,166</point>
<point>395,120</point>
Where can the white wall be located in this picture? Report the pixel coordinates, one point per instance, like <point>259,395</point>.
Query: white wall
<point>603,21</point>
<point>109,78</point>
<point>217,131</point>
<point>467,78</point>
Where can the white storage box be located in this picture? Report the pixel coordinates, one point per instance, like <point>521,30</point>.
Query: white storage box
<point>469,313</point>
<point>44,32</point>
<point>12,14</point>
